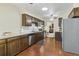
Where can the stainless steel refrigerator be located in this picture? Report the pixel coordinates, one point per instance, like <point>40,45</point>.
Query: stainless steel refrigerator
<point>70,35</point>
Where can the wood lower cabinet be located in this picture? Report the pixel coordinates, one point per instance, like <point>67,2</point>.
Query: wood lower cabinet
<point>24,43</point>
<point>16,45</point>
<point>58,36</point>
<point>38,36</point>
<point>2,47</point>
<point>35,37</point>
<point>13,46</point>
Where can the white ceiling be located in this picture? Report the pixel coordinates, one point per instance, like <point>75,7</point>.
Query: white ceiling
<point>53,8</point>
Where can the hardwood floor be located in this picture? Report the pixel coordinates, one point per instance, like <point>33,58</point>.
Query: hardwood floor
<point>50,47</point>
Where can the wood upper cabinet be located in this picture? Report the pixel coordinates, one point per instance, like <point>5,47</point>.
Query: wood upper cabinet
<point>2,47</point>
<point>24,42</point>
<point>74,13</point>
<point>26,20</point>
<point>13,46</point>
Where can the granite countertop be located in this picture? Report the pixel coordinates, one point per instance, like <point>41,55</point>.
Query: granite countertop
<point>16,34</point>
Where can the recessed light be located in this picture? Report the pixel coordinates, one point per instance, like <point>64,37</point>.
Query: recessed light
<point>44,9</point>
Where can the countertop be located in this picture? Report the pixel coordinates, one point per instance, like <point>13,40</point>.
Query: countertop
<point>16,34</point>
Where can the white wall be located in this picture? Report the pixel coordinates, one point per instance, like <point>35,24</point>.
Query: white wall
<point>9,18</point>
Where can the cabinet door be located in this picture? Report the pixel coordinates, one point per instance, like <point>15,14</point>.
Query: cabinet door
<point>26,20</point>
<point>23,19</point>
<point>37,37</point>
<point>76,12</point>
<point>58,36</point>
<point>2,48</point>
<point>13,46</point>
<point>41,36</point>
<point>24,42</point>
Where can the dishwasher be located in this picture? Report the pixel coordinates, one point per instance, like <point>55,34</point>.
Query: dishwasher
<point>31,39</point>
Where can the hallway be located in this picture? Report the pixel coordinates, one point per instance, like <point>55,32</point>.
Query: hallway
<point>50,47</point>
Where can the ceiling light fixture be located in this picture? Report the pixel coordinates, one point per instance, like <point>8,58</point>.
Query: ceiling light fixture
<point>44,9</point>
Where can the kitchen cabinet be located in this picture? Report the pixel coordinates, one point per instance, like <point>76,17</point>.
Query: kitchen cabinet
<point>13,46</point>
<point>24,42</point>
<point>35,37</point>
<point>58,36</point>
<point>2,47</point>
<point>32,39</point>
<point>74,13</point>
<point>26,20</point>
<point>38,36</point>
<point>16,45</point>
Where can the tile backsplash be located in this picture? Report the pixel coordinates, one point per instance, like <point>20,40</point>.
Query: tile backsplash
<point>29,28</point>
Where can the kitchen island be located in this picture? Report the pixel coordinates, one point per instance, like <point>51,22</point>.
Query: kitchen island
<point>11,45</point>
